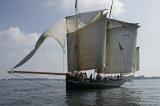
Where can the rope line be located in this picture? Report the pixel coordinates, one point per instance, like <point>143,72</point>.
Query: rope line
<point>30,80</point>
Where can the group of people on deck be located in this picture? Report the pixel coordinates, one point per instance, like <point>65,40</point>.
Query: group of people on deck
<point>83,76</point>
<point>116,77</point>
<point>80,75</point>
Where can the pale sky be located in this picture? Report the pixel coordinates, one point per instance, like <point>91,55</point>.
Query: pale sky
<point>23,21</point>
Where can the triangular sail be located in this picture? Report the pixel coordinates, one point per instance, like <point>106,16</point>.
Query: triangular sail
<point>26,58</point>
<point>58,32</point>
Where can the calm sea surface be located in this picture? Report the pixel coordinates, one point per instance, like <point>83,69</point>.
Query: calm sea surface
<point>25,93</point>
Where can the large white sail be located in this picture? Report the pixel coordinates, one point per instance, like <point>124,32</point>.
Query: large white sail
<point>58,32</point>
<point>88,52</point>
<point>120,47</point>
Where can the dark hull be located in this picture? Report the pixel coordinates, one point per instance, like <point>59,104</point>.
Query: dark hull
<point>74,84</point>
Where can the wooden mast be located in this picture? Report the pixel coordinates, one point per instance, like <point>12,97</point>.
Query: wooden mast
<point>107,38</point>
<point>77,38</point>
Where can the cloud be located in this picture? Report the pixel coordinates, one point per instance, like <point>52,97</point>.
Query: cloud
<point>15,44</point>
<point>87,5</point>
<point>14,38</point>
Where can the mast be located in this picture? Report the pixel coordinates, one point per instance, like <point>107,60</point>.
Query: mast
<point>77,33</point>
<point>76,7</point>
<point>107,40</point>
<point>110,13</point>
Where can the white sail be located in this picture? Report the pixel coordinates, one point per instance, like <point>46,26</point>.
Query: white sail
<point>26,58</point>
<point>58,32</point>
<point>88,52</point>
<point>120,47</point>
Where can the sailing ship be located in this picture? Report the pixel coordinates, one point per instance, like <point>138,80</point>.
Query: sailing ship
<point>94,42</point>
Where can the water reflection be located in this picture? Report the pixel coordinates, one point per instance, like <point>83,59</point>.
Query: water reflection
<point>106,97</point>
<point>22,93</point>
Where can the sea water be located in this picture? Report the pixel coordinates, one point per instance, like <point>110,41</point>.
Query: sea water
<point>25,93</point>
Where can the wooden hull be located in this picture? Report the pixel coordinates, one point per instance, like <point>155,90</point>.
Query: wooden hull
<point>75,84</point>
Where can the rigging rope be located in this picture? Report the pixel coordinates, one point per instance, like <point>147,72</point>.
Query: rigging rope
<point>63,59</point>
<point>30,80</point>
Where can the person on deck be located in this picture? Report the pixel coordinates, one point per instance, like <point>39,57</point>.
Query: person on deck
<point>98,77</point>
<point>117,77</point>
<point>85,75</point>
<point>90,77</point>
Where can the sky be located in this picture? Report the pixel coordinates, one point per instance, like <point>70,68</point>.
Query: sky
<point>23,21</point>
